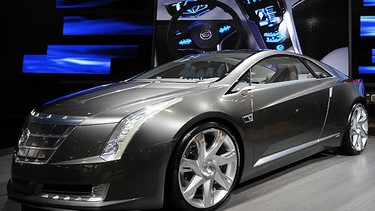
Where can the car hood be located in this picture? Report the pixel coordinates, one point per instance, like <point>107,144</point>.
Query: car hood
<point>112,102</point>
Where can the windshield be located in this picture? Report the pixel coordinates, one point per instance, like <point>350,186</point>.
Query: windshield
<point>194,68</point>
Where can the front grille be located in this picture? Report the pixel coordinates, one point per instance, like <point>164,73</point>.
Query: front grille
<point>38,142</point>
<point>81,193</point>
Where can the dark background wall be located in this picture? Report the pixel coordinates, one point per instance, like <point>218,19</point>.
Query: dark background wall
<point>28,27</point>
<point>322,26</point>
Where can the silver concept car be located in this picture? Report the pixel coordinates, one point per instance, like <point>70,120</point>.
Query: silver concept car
<point>184,134</point>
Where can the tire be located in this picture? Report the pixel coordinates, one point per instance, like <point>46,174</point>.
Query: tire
<point>202,178</point>
<point>356,133</point>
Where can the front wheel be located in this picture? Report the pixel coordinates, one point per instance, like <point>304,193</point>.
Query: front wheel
<point>356,134</point>
<point>204,168</point>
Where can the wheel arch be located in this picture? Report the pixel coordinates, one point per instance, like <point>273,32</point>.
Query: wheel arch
<point>360,100</point>
<point>219,118</point>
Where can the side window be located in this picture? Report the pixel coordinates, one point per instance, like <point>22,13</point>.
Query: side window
<point>279,69</point>
<point>318,71</point>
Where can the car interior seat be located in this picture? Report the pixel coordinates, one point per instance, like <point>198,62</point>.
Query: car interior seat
<point>287,73</point>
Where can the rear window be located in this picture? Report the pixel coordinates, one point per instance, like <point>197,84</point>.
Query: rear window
<point>318,71</point>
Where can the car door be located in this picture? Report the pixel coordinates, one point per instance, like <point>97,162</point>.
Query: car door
<point>289,105</point>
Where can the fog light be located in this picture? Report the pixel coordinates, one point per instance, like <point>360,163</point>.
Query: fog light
<point>98,192</point>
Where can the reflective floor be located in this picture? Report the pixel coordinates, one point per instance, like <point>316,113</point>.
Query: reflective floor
<point>326,182</point>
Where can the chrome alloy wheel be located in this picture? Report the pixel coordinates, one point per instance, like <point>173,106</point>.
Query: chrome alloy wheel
<point>208,168</point>
<point>359,128</point>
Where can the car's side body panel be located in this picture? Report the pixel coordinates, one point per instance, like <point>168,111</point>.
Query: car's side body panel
<point>344,95</point>
<point>295,115</point>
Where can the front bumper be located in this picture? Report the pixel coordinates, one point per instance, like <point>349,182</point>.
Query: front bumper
<point>134,182</point>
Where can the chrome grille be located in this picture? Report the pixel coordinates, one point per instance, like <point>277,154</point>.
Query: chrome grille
<point>38,142</point>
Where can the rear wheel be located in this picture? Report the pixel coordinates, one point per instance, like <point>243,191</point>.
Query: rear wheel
<point>356,134</point>
<point>204,168</point>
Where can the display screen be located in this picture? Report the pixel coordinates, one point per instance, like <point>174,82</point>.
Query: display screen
<point>369,3</point>
<point>363,42</point>
<point>77,59</point>
<point>269,17</point>
<point>92,37</point>
<point>107,25</point>
<point>193,8</point>
<point>367,26</point>
<point>36,64</point>
<point>194,26</point>
<point>369,68</point>
<point>366,69</point>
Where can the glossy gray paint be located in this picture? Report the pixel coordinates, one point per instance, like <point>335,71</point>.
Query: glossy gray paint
<point>287,117</point>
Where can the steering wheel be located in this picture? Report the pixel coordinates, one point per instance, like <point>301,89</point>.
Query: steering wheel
<point>203,35</point>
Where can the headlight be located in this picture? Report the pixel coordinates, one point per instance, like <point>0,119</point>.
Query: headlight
<point>126,129</point>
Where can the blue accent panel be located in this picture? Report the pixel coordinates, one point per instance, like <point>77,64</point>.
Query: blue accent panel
<point>369,3</point>
<point>65,65</point>
<point>83,25</point>
<point>113,51</point>
<point>366,69</point>
<point>367,26</point>
<point>373,55</point>
<point>83,3</point>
